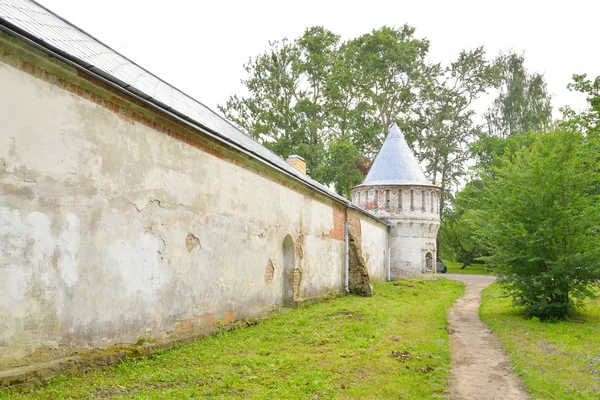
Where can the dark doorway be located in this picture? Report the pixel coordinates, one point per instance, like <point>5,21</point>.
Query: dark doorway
<point>429,262</point>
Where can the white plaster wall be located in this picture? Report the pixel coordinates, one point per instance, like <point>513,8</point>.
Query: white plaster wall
<point>410,241</point>
<point>413,212</point>
<point>374,248</point>
<point>95,213</point>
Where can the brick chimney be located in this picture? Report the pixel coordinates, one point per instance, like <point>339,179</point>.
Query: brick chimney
<point>297,162</point>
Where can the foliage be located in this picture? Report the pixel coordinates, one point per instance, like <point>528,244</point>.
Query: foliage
<point>342,164</point>
<point>490,151</point>
<point>523,103</point>
<point>458,237</point>
<point>587,121</point>
<point>444,127</point>
<point>321,98</point>
<point>473,269</point>
<point>339,348</point>
<point>540,223</point>
<point>331,102</point>
<point>555,361</point>
<point>287,86</point>
<point>458,231</point>
<point>390,69</point>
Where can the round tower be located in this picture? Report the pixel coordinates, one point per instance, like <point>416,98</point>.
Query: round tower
<point>397,191</point>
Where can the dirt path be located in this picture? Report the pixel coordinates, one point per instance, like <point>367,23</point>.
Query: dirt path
<point>479,370</point>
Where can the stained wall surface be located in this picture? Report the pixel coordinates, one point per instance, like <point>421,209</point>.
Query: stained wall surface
<point>414,215</point>
<point>117,222</point>
<point>374,248</point>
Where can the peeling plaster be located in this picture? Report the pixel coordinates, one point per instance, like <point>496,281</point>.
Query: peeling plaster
<point>19,234</point>
<point>68,246</point>
<point>139,265</point>
<point>97,251</point>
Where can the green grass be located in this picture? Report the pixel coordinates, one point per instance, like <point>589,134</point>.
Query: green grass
<point>555,360</point>
<point>473,269</point>
<point>337,349</point>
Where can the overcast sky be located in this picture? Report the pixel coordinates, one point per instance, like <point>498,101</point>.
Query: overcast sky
<point>200,46</point>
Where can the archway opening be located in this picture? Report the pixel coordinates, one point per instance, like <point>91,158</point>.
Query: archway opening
<point>288,270</point>
<point>429,262</point>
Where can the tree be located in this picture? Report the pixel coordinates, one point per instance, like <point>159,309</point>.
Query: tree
<point>523,103</point>
<point>490,151</point>
<point>458,236</point>
<point>343,164</point>
<point>540,223</point>
<point>391,68</point>
<point>287,95</point>
<point>326,100</point>
<point>458,232</point>
<point>587,121</point>
<point>444,126</point>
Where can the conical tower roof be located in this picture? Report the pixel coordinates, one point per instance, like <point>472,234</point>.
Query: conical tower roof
<point>395,164</point>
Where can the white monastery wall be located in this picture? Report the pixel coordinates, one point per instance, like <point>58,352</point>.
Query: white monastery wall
<point>374,248</point>
<point>112,229</point>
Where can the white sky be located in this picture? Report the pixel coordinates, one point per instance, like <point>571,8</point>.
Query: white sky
<point>200,46</point>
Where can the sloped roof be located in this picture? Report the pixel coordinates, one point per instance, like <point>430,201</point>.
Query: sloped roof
<point>51,33</point>
<point>395,164</point>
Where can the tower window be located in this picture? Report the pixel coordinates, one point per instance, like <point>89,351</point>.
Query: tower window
<point>400,199</point>
<point>412,200</point>
<point>431,201</point>
<point>376,200</point>
<point>428,262</point>
<point>423,201</point>
<point>387,200</point>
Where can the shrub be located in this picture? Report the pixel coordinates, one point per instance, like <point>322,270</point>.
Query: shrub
<point>541,223</point>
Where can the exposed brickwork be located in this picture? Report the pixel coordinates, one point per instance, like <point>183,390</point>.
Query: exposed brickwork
<point>394,200</point>
<point>339,218</point>
<point>295,279</point>
<point>354,224</point>
<point>228,318</point>
<point>359,281</point>
<point>184,326</point>
<point>195,324</point>
<point>191,242</point>
<point>298,246</point>
<point>269,272</point>
<point>295,276</point>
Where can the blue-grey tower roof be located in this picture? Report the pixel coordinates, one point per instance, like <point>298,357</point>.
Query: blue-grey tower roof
<point>395,164</point>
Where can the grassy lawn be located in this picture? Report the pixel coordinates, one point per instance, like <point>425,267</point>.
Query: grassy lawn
<point>556,361</point>
<point>391,345</point>
<point>473,269</point>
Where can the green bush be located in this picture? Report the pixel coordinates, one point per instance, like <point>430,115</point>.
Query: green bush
<point>540,223</point>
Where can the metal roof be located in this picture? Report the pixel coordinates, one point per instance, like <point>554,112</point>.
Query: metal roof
<point>395,164</point>
<point>67,42</point>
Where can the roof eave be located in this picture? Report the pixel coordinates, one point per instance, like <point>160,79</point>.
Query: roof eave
<point>395,183</point>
